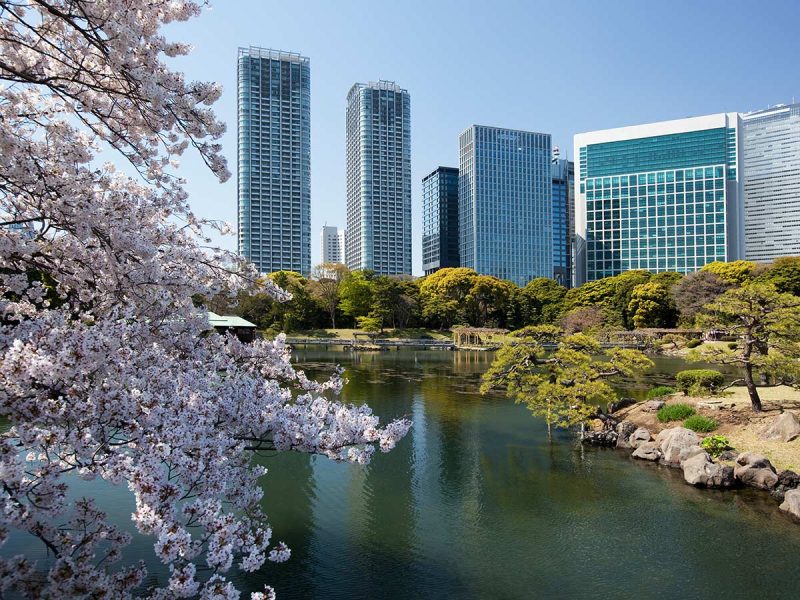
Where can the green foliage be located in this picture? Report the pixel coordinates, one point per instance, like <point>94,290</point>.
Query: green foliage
<point>355,293</point>
<point>699,382</point>
<point>563,387</point>
<point>674,412</point>
<point>733,345</point>
<point>611,293</point>
<point>369,324</point>
<point>652,306</point>
<point>715,444</point>
<point>784,275</point>
<point>544,301</point>
<point>700,424</point>
<point>660,391</point>
<point>693,292</point>
<point>694,343</point>
<point>732,273</point>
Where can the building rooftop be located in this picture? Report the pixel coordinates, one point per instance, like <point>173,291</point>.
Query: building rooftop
<point>216,320</point>
<point>258,52</point>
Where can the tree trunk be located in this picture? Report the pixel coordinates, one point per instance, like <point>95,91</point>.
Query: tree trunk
<point>755,400</point>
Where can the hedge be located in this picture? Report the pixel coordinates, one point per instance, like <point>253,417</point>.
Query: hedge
<point>698,382</point>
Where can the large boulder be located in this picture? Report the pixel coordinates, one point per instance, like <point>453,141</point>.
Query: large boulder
<point>677,444</point>
<point>640,436</point>
<point>647,451</point>
<point>620,404</point>
<point>700,471</point>
<point>787,480</point>
<point>785,427</point>
<point>756,471</point>
<point>624,431</point>
<point>791,503</point>
<point>653,405</point>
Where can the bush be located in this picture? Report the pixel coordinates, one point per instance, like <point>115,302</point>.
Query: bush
<point>699,382</point>
<point>733,345</point>
<point>693,343</point>
<point>700,424</point>
<point>674,412</point>
<point>715,445</point>
<point>728,338</point>
<point>658,392</point>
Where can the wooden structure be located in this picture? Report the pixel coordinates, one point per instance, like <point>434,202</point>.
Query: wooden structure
<point>241,328</point>
<point>483,338</point>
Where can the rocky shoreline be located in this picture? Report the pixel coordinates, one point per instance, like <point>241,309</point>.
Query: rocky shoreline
<point>680,448</point>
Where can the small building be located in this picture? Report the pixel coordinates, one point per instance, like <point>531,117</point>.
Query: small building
<point>241,328</point>
<point>478,338</point>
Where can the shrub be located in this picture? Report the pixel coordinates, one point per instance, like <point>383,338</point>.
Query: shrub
<point>733,345</point>
<point>674,412</point>
<point>698,382</point>
<point>728,338</point>
<point>715,445</point>
<point>700,424</point>
<point>693,343</point>
<point>662,390</point>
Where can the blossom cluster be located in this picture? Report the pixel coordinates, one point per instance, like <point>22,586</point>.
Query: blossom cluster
<point>107,367</point>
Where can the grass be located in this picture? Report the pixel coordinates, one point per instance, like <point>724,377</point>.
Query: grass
<point>660,391</point>
<point>675,412</point>
<point>700,424</point>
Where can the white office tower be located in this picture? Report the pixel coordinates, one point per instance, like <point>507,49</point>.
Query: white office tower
<point>332,244</point>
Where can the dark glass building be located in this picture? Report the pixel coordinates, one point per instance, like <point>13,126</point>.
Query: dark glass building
<point>563,219</point>
<point>440,219</point>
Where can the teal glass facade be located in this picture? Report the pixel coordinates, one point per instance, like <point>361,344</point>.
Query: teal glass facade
<point>659,197</point>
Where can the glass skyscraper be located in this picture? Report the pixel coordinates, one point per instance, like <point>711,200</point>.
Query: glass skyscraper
<point>378,178</point>
<point>440,220</point>
<point>563,219</point>
<point>661,197</point>
<point>772,182</point>
<point>506,203</point>
<point>274,160</point>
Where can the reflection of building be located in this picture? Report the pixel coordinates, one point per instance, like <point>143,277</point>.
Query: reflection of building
<point>772,182</point>
<point>505,203</point>
<point>563,219</point>
<point>379,178</point>
<point>440,220</point>
<point>661,197</point>
<point>332,244</point>
<point>274,160</point>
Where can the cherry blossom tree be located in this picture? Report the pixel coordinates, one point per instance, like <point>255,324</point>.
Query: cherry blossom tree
<point>107,369</point>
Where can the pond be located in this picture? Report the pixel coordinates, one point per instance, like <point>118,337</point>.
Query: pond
<point>476,503</point>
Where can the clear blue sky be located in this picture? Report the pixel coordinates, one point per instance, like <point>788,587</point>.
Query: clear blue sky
<point>559,67</point>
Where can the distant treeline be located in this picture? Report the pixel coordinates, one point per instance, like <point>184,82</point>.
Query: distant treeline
<point>336,297</point>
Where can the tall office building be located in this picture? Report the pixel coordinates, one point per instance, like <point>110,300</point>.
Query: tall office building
<point>662,197</point>
<point>440,220</point>
<point>772,182</point>
<point>274,160</point>
<point>379,178</point>
<point>563,219</point>
<point>332,244</point>
<point>505,203</point>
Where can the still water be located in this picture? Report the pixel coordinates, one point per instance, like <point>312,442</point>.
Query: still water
<point>476,503</point>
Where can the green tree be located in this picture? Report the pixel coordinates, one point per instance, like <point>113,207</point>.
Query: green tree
<point>488,301</point>
<point>563,387</point>
<point>733,273</point>
<point>301,311</point>
<point>442,295</point>
<point>611,293</point>
<point>325,286</point>
<point>767,324</point>
<point>355,294</point>
<point>544,299</point>
<point>652,306</point>
<point>394,300</point>
<point>784,274</point>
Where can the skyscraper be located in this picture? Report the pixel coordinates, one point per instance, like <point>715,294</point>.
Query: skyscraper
<point>379,178</point>
<point>274,177</point>
<point>661,197</point>
<point>332,244</point>
<point>440,220</point>
<point>563,219</point>
<point>772,182</point>
<point>505,203</point>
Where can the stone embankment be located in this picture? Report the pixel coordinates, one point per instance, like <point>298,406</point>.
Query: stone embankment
<point>681,448</point>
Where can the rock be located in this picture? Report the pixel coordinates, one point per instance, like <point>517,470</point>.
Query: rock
<point>653,405</point>
<point>700,471</point>
<point>619,404</point>
<point>791,503</point>
<point>693,451</point>
<point>624,431</point>
<point>715,404</point>
<point>600,438</point>
<point>639,437</point>
<point>647,451</point>
<point>756,471</point>
<point>677,444</point>
<point>787,480</point>
<point>785,428</point>
<point>729,455</point>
